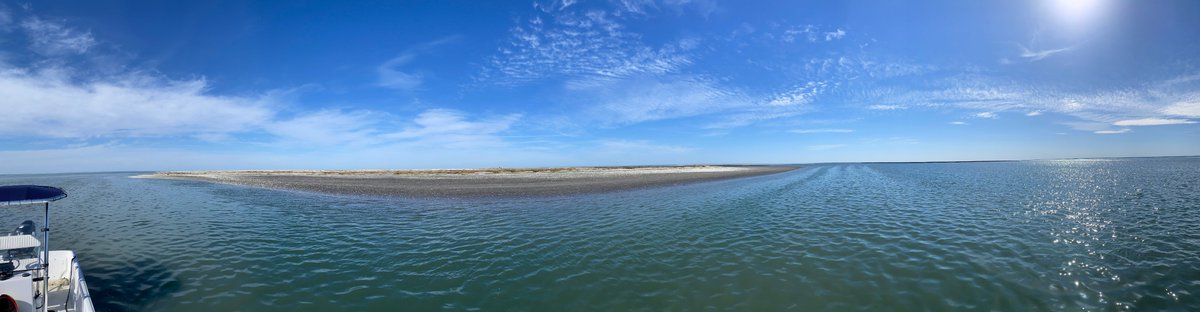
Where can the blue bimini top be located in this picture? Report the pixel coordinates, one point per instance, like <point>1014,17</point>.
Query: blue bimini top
<point>29,194</point>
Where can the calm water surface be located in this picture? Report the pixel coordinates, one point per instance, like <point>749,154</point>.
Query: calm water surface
<point>1110,234</point>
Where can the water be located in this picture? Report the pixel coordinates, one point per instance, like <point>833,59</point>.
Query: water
<point>1111,234</point>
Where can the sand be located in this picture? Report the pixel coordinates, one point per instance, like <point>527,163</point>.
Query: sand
<point>473,182</point>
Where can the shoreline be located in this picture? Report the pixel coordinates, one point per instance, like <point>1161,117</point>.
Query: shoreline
<point>489,182</point>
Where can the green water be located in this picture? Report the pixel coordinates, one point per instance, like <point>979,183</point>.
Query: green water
<point>1110,234</point>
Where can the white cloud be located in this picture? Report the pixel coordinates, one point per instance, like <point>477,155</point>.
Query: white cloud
<point>1095,109</point>
<point>852,67</point>
<point>51,38</point>
<point>50,104</point>
<point>806,131</point>
<point>958,92</point>
<point>990,115</point>
<point>799,95</point>
<point>51,101</point>
<point>1113,131</point>
<point>823,147</point>
<point>959,123</point>
<point>1152,122</point>
<point>1189,109</point>
<point>838,34</point>
<point>1070,106</point>
<point>886,107</point>
<point>811,33</point>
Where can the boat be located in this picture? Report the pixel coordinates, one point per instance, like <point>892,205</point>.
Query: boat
<point>33,277</point>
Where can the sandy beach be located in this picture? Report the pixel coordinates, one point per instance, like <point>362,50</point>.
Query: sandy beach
<point>473,182</point>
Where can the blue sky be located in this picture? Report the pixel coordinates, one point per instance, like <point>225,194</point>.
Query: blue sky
<point>192,85</point>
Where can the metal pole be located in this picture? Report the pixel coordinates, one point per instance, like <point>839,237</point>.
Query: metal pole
<point>46,261</point>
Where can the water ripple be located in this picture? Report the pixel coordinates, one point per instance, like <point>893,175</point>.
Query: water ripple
<point>1046,235</point>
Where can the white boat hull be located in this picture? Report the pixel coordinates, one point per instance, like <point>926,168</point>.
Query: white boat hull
<point>67,287</point>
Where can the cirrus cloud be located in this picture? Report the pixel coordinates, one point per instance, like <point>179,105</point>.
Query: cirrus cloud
<point>1152,122</point>
<point>53,38</point>
<point>807,131</point>
<point>1118,131</point>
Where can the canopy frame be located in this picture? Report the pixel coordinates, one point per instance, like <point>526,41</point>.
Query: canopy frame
<point>11,195</point>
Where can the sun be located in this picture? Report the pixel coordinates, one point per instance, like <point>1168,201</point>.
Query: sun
<point>1078,16</point>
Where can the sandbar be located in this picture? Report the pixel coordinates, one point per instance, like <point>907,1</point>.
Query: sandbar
<point>495,182</point>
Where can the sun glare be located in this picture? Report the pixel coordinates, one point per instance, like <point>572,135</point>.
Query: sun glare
<point>1076,17</point>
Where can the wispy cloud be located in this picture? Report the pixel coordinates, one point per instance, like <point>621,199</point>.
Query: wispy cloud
<point>327,128</point>
<point>452,128</point>
<point>440,128</point>
<point>53,38</point>
<point>799,95</point>
<point>619,78</point>
<point>1037,55</point>
<point>959,123</point>
<point>886,107</point>
<point>5,17</point>
<point>1166,99</point>
<point>580,43</point>
<point>824,147</point>
<point>811,33</point>
<point>850,67</point>
<point>805,31</point>
<point>755,114</point>
<point>639,100</point>
<point>1152,122</point>
<point>827,130</point>
<point>645,7</point>
<point>1119,131</point>
<point>891,141</point>
<point>626,146</point>
<point>392,74</point>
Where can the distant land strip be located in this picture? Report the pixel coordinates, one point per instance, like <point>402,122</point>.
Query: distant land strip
<point>486,182</point>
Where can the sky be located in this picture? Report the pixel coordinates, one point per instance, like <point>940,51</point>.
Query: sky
<point>204,85</point>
